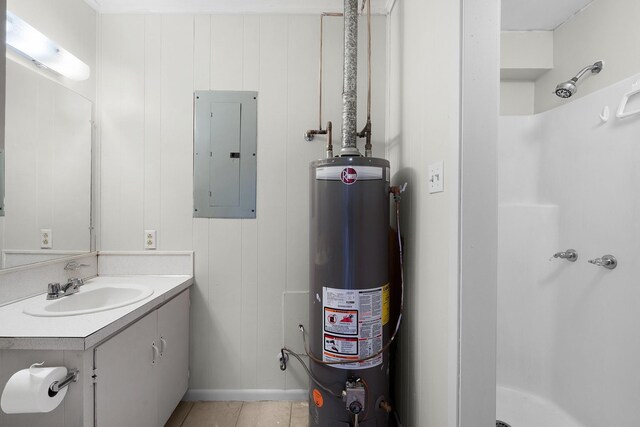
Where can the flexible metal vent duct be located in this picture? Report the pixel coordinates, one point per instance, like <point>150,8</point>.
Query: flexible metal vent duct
<point>350,80</point>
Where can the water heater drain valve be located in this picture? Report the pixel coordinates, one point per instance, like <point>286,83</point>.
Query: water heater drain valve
<point>354,395</point>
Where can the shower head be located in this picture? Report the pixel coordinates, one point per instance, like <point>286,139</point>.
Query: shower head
<point>568,88</point>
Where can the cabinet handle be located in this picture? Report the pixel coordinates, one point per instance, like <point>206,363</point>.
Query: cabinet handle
<point>156,352</point>
<point>163,346</point>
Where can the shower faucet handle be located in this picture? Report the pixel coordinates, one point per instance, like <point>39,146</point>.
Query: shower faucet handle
<point>607,261</point>
<point>569,255</point>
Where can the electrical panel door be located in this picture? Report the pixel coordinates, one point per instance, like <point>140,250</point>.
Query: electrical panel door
<point>225,134</point>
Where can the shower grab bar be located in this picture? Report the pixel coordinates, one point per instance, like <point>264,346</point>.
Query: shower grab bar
<point>621,113</point>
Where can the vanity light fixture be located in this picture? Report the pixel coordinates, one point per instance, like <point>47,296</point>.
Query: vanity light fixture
<point>43,51</point>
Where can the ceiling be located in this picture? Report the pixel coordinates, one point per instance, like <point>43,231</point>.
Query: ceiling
<point>538,14</point>
<point>522,15</point>
<point>229,6</point>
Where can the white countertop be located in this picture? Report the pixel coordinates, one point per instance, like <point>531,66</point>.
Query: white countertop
<point>22,331</point>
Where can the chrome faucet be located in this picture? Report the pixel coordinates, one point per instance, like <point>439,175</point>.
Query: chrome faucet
<point>73,283</point>
<point>55,290</point>
<point>72,286</point>
<point>569,255</point>
<point>607,261</point>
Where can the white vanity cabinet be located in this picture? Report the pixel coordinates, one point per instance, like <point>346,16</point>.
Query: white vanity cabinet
<point>133,361</point>
<point>142,372</point>
<point>173,367</point>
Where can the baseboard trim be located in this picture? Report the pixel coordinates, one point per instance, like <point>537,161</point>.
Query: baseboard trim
<point>250,395</point>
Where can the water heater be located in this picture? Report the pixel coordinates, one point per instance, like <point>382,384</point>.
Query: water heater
<point>350,329</point>
<point>349,293</point>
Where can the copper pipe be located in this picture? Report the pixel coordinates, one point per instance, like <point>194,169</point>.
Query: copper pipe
<point>367,3</point>
<point>309,134</point>
<point>367,145</point>
<point>320,79</point>
<point>366,131</point>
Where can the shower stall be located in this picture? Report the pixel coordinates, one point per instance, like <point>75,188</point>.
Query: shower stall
<point>567,340</point>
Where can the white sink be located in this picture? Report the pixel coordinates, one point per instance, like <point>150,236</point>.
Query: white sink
<point>90,300</point>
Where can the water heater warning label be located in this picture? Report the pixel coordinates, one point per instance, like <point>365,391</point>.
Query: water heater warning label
<point>341,321</point>
<point>353,326</point>
<point>340,345</point>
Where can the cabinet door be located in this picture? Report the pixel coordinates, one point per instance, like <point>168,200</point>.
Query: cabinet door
<point>126,377</point>
<point>173,369</point>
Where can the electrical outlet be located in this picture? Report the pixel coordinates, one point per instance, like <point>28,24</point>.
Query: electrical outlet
<point>46,238</point>
<point>436,177</point>
<point>150,239</point>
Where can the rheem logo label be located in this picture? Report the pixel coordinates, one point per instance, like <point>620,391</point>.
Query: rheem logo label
<point>349,176</point>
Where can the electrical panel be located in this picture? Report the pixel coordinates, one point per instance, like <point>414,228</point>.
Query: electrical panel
<point>225,139</point>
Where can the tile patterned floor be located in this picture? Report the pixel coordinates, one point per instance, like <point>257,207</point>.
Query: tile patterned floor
<point>240,414</point>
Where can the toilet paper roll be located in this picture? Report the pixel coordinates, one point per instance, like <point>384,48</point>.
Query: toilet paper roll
<point>27,390</point>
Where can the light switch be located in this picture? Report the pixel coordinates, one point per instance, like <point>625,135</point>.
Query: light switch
<point>436,177</point>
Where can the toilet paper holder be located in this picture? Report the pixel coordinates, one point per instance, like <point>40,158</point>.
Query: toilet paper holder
<point>56,386</point>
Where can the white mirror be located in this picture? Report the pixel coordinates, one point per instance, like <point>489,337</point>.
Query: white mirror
<point>47,205</point>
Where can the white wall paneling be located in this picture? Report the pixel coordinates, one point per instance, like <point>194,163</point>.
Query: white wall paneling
<point>199,362</point>
<point>449,113</point>
<point>423,128</point>
<point>176,132</point>
<point>121,122</point>
<point>152,124</point>
<point>243,267</point>
<point>478,238</point>
<point>145,263</point>
<point>272,195</point>
<point>416,138</point>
